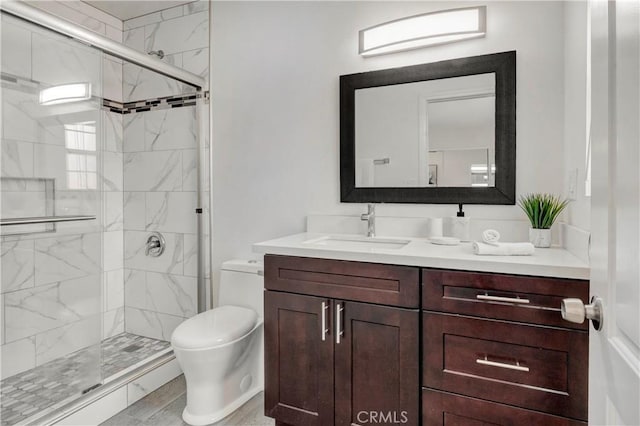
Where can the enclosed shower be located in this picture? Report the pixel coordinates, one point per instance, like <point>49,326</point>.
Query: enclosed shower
<point>104,210</point>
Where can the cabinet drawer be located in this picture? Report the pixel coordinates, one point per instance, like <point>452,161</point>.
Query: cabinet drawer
<point>339,279</point>
<point>518,298</point>
<point>524,365</point>
<point>441,408</point>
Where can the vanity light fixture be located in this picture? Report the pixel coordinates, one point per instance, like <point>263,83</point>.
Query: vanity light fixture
<point>427,29</point>
<point>65,93</point>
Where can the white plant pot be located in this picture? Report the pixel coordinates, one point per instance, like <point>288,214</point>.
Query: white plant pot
<point>540,237</point>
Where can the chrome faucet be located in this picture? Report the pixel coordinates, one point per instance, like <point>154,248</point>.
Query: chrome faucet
<point>370,217</point>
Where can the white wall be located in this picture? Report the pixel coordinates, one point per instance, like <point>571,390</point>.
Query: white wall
<point>386,126</point>
<point>275,69</point>
<point>576,39</point>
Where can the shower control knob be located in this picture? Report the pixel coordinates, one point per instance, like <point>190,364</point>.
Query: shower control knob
<point>574,310</point>
<point>155,245</point>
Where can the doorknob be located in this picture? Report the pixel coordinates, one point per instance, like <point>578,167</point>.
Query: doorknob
<point>573,310</point>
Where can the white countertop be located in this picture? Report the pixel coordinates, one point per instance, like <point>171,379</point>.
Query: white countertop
<point>546,262</point>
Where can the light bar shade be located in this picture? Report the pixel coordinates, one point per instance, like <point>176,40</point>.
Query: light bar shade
<point>428,29</point>
<point>65,93</point>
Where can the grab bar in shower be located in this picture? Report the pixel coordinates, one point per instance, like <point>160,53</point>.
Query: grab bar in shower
<point>43,219</point>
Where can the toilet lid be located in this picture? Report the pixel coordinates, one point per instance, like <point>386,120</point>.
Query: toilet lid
<point>214,327</point>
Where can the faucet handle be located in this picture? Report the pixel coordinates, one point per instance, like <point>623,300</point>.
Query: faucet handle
<point>370,217</point>
<point>371,211</point>
<point>155,245</point>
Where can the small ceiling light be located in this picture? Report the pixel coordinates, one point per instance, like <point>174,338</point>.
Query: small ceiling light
<point>428,29</point>
<point>65,93</point>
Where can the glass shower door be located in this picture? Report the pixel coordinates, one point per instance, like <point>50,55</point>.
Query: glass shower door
<point>51,270</point>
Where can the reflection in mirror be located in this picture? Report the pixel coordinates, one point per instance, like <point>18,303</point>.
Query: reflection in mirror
<point>435,133</point>
<point>461,167</point>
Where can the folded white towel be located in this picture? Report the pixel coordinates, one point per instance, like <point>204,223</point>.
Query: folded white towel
<point>490,236</point>
<point>503,249</point>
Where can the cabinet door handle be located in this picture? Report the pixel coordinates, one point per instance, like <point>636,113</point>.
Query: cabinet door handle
<point>517,365</point>
<point>502,299</point>
<point>339,331</point>
<point>325,329</point>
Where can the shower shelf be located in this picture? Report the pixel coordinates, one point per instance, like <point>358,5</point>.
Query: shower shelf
<point>43,219</point>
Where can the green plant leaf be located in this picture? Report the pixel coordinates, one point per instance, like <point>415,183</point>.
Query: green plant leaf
<point>542,209</point>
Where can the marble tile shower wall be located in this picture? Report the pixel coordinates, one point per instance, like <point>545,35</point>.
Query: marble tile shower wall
<point>182,33</point>
<point>159,195</point>
<point>51,283</point>
<point>160,179</point>
<point>148,173</point>
<point>113,225</point>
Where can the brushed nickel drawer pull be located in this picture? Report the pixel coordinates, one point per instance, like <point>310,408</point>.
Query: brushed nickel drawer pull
<point>339,331</point>
<point>325,329</point>
<point>517,367</point>
<point>502,299</point>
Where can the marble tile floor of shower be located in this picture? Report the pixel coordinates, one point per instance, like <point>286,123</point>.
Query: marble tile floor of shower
<point>31,391</point>
<point>164,406</point>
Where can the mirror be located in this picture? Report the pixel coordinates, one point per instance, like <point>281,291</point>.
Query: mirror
<point>432,133</point>
<point>426,134</point>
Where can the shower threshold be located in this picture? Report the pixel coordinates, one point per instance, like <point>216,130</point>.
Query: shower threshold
<point>55,383</point>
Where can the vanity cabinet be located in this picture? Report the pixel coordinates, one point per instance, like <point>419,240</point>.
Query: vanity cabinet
<point>340,342</point>
<point>347,340</point>
<point>495,346</point>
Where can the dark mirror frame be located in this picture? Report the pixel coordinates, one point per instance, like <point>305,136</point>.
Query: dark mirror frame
<point>504,192</point>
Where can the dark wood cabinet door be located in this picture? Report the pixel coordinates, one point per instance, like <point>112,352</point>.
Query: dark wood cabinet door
<point>376,365</point>
<point>298,363</point>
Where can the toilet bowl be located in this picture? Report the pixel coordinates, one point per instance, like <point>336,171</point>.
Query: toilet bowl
<point>221,351</point>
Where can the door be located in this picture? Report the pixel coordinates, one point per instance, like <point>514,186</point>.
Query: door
<point>298,359</point>
<point>376,364</point>
<point>51,192</point>
<point>614,368</point>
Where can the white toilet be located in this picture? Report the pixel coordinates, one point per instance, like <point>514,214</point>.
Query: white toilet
<point>221,351</point>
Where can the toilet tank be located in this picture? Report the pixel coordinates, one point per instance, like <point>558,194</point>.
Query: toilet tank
<point>242,284</point>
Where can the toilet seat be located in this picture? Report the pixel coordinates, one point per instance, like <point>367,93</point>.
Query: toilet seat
<point>215,327</point>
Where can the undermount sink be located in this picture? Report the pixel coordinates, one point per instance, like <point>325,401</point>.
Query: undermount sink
<point>357,243</point>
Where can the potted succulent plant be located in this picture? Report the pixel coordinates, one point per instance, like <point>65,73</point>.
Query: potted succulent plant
<point>542,210</point>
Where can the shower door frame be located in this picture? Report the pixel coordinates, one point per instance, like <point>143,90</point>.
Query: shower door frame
<point>43,19</point>
<point>113,48</point>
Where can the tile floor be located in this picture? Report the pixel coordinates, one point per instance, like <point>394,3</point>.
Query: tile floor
<point>164,406</point>
<point>35,390</point>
